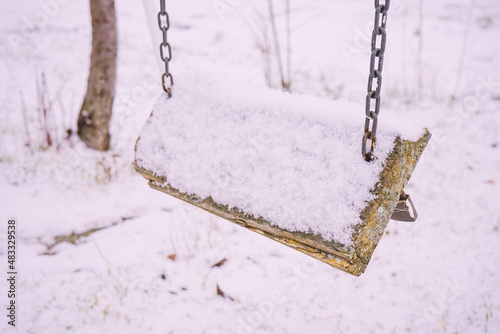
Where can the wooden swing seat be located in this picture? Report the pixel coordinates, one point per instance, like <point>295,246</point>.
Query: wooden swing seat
<point>159,152</point>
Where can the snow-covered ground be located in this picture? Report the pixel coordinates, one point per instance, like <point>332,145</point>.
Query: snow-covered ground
<point>148,265</point>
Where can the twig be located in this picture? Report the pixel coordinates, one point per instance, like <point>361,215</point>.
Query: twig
<point>43,110</point>
<point>464,48</point>
<point>420,79</point>
<point>51,121</point>
<point>46,111</point>
<point>25,119</point>
<point>288,43</point>
<point>260,37</point>
<point>404,49</point>
<point>272,20</point>
<point>100,251</point>
<point>39,109</point>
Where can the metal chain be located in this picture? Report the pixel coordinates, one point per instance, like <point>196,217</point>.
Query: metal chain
<point>375,77</point>
<point>164,24</point>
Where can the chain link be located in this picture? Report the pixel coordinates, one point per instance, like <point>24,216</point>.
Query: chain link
<point>164,24</point>
<point>375,78</point>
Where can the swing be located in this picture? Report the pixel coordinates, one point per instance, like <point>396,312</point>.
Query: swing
<point>285,166</point>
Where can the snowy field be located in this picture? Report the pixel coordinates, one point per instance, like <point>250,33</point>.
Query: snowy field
<point>100,252</point>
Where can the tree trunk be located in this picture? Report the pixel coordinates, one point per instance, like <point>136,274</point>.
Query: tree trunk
<point>95,114</point>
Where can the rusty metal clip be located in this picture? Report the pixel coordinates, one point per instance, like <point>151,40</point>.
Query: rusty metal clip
<point>405,210</point>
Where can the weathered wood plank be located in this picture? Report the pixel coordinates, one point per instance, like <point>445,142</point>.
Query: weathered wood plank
<point>351,259</point>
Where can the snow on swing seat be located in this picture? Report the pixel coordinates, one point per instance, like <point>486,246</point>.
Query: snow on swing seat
<point>286,166</point>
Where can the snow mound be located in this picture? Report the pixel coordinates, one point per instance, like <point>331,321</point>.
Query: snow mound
<point>293,160</point>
